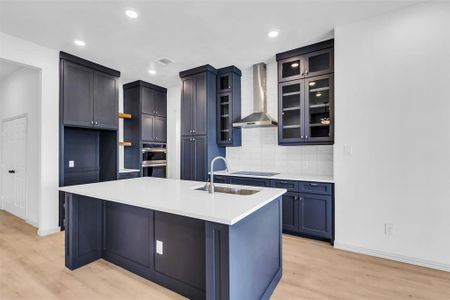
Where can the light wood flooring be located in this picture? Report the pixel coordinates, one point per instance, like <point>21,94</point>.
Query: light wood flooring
<point>32,267</point>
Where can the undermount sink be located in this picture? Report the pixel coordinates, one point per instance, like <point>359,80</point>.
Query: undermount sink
<point>230,190</point>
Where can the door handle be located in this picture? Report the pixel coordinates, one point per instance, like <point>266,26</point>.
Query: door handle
<point>11,171</point>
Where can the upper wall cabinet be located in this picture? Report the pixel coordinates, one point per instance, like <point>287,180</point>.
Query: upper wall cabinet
<point>306,62</point>
<point>228,106</point>
<point>89,93</point>
<point>78,83</point>
<point>154,102</point>
<point>194,116</point>
<point>306,95</point>
<point>105,101</point>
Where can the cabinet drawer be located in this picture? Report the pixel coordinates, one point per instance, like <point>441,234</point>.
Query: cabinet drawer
<point>316,188</point>
<point>291,186</point>
<point>250,181</point>
<point>129,175</point>
<point>220,179</point>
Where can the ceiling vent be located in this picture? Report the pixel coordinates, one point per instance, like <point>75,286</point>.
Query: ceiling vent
<point>165,61</point>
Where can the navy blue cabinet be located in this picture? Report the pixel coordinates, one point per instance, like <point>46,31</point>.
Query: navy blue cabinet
<point>183,241</point>
<point>88,106</point>
<point>315,215</point>
<point>147,104</point>
<point>90,98</point>
<point>308,207</point>
<point>306,95</point>
<point>128,175</point>
<point>193,156</point>
<point>250,181</point>
<point>121,222</point>
<point>290,211</point>
<point>198,123</point>
<point>228,106</point>
<point>106,101</point>
<point>77,92</point>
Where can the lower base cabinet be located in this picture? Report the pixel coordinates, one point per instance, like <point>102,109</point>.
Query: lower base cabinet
<point>290,211</point>
<point>308,207</point>
<point>315,215</point>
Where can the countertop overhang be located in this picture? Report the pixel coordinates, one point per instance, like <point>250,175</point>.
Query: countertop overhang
<point>179,197</point>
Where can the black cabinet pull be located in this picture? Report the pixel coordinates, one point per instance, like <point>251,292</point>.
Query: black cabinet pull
<point>11,171</point>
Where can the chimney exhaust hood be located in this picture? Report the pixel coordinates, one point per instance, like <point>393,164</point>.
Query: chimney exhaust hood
<point>259,117</point>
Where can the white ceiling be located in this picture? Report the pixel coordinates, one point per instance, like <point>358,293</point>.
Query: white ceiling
<point>191,33</point>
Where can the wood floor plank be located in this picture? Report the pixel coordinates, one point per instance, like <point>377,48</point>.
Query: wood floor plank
<point>32,267</point>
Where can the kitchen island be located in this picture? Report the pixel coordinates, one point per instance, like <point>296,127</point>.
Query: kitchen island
<point>200,245</point>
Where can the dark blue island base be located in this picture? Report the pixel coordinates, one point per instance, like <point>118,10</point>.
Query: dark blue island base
<point>200,260</point>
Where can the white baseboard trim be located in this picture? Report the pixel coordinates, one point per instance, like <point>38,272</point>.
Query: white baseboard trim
<point>393,256</point>
<point>48,231</point>
<point>34,224</point>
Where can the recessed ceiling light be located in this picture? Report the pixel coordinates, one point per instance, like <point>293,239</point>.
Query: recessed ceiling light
<point>131,14</point>
<point>294,65</point>
<point>312,83</point>
<point>318,94</point>
<point>152,72</point>
<point>79,43</point>
<point>272,34</point>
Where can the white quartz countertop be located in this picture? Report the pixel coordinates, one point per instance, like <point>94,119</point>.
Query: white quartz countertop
<point>282,176</point>
<point>179,197</point>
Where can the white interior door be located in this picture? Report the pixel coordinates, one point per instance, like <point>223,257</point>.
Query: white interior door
<point>13,162</point>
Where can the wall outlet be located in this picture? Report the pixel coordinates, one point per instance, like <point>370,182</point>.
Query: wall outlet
<point>348,150</point>
<point>388,229</point>
<point>159,247</point>
<point>71,163</point>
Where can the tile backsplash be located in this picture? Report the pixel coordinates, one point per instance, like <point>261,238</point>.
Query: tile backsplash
<point>260,152</point>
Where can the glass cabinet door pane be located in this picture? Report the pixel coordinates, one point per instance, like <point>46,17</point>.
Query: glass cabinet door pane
<point>224,82</point>
<point>224,118</point>
<point>319,63</point>
<point>290,68</point>
<point>319,107</point>
<point>291,110</point>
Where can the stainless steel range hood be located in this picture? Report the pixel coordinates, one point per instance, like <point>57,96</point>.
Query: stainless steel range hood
<point>259,117</point>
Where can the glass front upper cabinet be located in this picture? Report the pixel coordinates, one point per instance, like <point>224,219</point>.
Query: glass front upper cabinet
<point>224,118</point>
<point>291,111</point>
<point>224,83</point>
<point>319,109</point>
<point>290,69</point>
<point>308,65</point>
<point>318,63</point>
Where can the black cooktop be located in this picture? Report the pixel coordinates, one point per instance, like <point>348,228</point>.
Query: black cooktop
<point>254,173</point>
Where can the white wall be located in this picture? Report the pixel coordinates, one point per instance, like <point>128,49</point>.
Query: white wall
<point>392,108</point>
<point>173,131</point>
<point>47,60</point>
<point>20,94</point>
